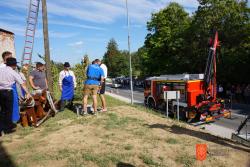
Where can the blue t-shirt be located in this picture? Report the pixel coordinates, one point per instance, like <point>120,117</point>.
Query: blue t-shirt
<point>94,74</point>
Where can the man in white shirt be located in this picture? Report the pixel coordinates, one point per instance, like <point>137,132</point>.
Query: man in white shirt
<point>9,112</point>
<point>102,85</point>
<point>67,83</point>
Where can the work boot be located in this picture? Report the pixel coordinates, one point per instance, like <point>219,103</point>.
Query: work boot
<point>62,105</point>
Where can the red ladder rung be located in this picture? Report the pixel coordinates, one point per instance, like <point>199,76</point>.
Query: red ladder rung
<point>27,47</point>
<point>28,53</point>
<point>30,29</point>
<point>32,18</point>
<point>33,11</point>
<point>29,35</point>
<point>29,41</point>
<point>31,23</point>
<point>26,59</point>
<point>34,5</point>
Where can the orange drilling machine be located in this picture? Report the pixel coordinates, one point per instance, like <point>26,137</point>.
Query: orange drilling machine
<point>198,94</point>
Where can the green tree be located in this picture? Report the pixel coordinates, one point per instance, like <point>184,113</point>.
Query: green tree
<point>165,41</point>
<point>231,19</point>
<point>117,61</point>
<point>80,73</point>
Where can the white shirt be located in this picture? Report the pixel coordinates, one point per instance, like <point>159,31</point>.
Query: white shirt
<point>8,77</point>
<point>2,65</point>
<point>64,73</point>
<point>105,70</point>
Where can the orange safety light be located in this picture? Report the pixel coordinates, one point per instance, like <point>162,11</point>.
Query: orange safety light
<point>201,152</point>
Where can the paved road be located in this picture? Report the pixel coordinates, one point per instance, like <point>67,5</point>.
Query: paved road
<point>229,125</point>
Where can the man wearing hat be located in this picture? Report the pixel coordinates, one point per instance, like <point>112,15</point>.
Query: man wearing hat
<point>8,78</point>
<point>67,83</point>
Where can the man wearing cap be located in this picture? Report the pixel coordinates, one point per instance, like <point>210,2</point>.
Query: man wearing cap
<point>95,75</point>
<point>37,78</point>
<point>67,83</point>
<point>8,77</point>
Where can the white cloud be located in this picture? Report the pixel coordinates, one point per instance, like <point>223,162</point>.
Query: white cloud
<point>78,44</point>
<point>15,28</point>
<point>100,11</point>
<point>71,24</point>
<point>53,21</point>
<point>56,34</point>
<point>19,30</point>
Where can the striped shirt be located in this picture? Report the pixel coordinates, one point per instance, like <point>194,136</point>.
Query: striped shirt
<point>8,77</point>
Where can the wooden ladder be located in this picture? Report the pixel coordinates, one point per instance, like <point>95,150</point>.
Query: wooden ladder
<point>30,32</point>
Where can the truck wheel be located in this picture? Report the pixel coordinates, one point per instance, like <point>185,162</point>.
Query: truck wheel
<point>182,113</point>
<point>151,103</point>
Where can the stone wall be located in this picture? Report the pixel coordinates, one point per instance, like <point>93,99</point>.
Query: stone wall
<point>7,44</point>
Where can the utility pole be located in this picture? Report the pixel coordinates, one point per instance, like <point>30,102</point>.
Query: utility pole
<point>46,46</point>
<point>130,64</point>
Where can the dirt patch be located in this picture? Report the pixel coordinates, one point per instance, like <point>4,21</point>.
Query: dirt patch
<point>124,135</point>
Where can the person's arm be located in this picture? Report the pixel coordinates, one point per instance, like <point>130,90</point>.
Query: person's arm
<point>102,75</point>
<point>26,90</point>
<point>102,79</point>
<point>87,71</point>
<point>19,80</point>
<point>46,82</point>
<point>32,83</point>
<point>74,78</point>
<point>61,76</point>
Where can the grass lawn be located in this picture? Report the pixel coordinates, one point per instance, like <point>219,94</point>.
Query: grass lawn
<point>124,136</point>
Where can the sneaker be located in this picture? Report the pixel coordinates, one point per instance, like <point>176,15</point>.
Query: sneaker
<point>84,113</point>
<point>94,113</point>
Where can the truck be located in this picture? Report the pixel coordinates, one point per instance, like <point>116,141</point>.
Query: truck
<point>198,101</point>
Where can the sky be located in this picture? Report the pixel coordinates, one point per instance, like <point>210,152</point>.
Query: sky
<point>79,27</point>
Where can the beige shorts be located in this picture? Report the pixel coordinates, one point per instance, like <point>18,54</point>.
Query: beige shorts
<point>90,89</point>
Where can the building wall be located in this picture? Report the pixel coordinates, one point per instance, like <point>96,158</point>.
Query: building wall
<point>7,44</point>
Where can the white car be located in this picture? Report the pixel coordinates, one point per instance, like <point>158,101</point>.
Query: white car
<point>116,85</point>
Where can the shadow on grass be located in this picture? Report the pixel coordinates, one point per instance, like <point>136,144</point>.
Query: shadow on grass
<point>201,135</point>
<point>5,159</point>
<point>122,164</point>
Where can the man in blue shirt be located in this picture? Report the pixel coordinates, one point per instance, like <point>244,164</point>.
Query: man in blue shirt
<point>95,76</point>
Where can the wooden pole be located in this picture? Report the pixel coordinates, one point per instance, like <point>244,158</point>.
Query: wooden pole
<point>46,46</point>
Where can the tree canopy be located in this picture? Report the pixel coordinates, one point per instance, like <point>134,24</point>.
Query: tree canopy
<point>178,42</point>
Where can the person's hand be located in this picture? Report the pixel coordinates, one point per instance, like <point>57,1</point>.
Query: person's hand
<point>28,96</point>
<point>37,87</point>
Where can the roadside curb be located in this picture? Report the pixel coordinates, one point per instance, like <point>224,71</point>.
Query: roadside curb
<point>124,99</point>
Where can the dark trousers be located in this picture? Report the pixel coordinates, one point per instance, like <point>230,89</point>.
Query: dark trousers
<point>66,103</point>
<point>6,104</point>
